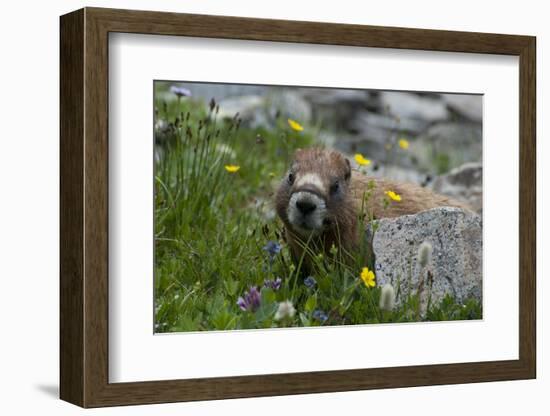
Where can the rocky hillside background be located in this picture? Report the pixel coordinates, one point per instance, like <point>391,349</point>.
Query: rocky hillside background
<point>443,131</point>
<point>421,267</point>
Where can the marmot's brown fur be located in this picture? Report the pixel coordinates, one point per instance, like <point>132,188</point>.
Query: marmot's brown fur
<point>320,199</point>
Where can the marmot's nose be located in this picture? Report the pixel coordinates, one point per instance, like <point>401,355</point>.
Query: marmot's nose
<point>305,207</point>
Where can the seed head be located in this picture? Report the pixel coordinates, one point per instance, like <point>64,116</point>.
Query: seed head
<point>425,253</point>
<point>387,297</point>
<point>285,310</point>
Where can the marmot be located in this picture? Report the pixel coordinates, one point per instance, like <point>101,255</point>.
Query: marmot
<point>321,198</point>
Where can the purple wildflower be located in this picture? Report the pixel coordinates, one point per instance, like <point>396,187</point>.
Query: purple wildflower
<point>310,282</point>
<point>250,301</point>
<point>273,248</point>
<point>273,284</point>
<point>320,316</point>
<point>180,91</point>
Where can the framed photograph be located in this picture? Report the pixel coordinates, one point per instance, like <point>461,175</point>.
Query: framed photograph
<point>256,207</point>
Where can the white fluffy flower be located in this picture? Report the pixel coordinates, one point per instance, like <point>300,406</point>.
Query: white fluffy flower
<point>387,297</point>
<point>285,310</point>
<point>424,253</point>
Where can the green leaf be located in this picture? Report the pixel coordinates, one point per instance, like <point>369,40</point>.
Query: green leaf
<point>231,286</point>
<point>304,319</point>
<point>311,303</point>
<point>268,295</point>
<point>268,305</point>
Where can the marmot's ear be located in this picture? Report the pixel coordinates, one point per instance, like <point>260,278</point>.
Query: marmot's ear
<point>347,175</point>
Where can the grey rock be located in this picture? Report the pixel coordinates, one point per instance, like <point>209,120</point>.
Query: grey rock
<point>351,144</point>
<point>406,105</point>
<point>396,173</point>
<point>334,108</point>
<point>207,91</point>
<point>329,97</point>
<point>263,110</point>
<point>250,108</point>
<point>377,151</point>
<point>381,128</point>
<point>456,261</point>
<point>455,133</point>
<point>468,106</point>
<point>454,143</point>
<point>368,132</point>
<point>328,138</point>
<point>464,183</point>
<point>219,92</point>
<point>290,104</point>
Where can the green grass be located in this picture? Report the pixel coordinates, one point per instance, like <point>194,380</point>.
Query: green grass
<point>211,227</point>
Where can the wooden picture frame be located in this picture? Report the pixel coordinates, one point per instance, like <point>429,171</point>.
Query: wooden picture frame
<point>84,207</point>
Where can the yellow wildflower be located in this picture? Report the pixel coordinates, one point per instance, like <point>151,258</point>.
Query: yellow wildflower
<point>361,160</point>
<point>232,168</point>
<point>404,144</point>
<point>368,277</point>
<point>294,125</point>
<point>393,196</point>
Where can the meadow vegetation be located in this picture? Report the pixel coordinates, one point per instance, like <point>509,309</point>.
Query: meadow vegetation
<point>221,262</point>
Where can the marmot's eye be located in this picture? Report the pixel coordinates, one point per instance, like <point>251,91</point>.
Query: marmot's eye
<point>291,178</point>
<point>334,187</point>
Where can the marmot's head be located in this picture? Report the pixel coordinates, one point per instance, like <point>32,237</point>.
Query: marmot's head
<point>313,195</point>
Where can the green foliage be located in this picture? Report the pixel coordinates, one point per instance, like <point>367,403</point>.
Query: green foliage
<point>212,226</point>
<point>449,310</point>
<point>442,163</point>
